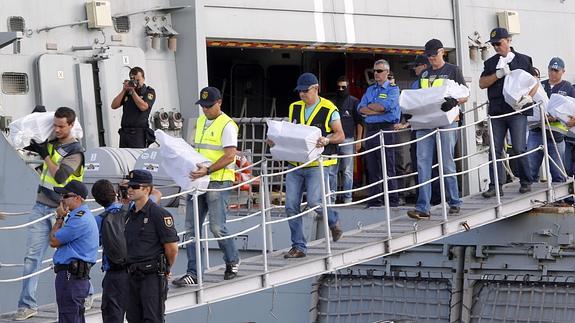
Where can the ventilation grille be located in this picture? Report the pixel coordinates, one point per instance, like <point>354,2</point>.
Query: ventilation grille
<point>16,23</point>
<point>14,83</point>
<point>122,24</point>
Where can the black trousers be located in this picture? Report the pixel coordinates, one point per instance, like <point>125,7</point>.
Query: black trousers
<point>146,298</point>
<point>115,287</point>
<point>133,138</point>
<point>373,163</point>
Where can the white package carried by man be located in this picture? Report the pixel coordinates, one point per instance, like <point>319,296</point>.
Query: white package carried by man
<point>516,85</point>
<point>542,99</point>
<point>424,105</point>
<point>38,126</point>
<point>293,142</point>
<point>179,159</point>
<point>562,107</point>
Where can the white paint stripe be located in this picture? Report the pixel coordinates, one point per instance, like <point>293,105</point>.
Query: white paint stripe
<point>318,19</point>
<point>349,22</point>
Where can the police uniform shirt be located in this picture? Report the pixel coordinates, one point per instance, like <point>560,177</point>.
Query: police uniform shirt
<point>132,116</point>
<point>146,232</point>
<point>386,95</point>
<point>112,209</point>
<point>448,72</point>
<point>78,238</point>
<point>497,104</point>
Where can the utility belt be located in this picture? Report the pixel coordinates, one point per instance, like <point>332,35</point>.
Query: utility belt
<point>77,268</point>
<point>114,267</point>
<point>157,266</point>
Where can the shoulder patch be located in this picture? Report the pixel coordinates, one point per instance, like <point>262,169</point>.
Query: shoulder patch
<point>424,74</point>
<point>150,96</point>
<point>80,213</point>
<point>168,221</point>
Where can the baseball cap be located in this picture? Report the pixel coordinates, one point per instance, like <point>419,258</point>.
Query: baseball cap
<point>306,80</point>
<point>556,63</point>
<point>432,46</point>
<point>139,176</point>
<point>419,60</point>
<point>75,187</point>
<point>208,96</point>
<point>498,33</point>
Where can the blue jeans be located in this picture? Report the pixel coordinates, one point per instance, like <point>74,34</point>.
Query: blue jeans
<point>517,126</point>
<point>535,159</point>
<point>345,166</point>
<point>217,204</point>
<point>425,151</point>
<point>37,242</point>
<point>306,179</point>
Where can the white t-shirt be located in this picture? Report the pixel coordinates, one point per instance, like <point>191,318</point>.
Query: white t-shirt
<point>229,135</point>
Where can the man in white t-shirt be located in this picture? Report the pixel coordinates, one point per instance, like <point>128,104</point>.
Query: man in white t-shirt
<point>216,138</point>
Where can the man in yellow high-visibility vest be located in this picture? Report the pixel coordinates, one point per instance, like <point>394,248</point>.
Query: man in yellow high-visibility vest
<point>216,138</point>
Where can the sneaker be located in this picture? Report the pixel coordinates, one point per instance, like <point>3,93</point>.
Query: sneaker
<point>231,271</point>
<point>24,313</point>
<point>336,232</point>
<point>294,253</point>
<point>525,188</point>
<point>418,215</point>
<point>88,302</point>
<point>186,280</point>
<point>491,192</point>
<point>453,210</point>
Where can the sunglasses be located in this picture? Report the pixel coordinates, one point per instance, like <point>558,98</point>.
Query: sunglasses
<point>306,90</point>
<point>379,71</point>
<point>68,195</point>
<point>496,43</point>
<point>342,87</point>
<point>136,186</point>
<point>207,106</point>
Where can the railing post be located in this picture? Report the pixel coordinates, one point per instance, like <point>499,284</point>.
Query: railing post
<point>198,245</point>
<point>385,184</point>
<point>263,206</point>
<point>494,161</point>
<point>546,164</point>
<point>324,189</point>
<point>441,175</point>
<point>206,246</point>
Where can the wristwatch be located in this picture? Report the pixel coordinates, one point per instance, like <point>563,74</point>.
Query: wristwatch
<point>209,171</point>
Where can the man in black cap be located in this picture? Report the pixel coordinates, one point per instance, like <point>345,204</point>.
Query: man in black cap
<point>137,99</point>
<point>419,64</point>
<point>75,235</point>
<point>216,139</point>
<point>152,244</point>
<point>492,78</point>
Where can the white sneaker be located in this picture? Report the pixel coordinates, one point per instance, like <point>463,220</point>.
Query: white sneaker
<point>88,302</point>
<point>24,313</point>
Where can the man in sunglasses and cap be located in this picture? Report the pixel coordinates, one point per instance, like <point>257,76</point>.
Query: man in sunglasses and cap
<point>152,245</point>
<point>492,78</point>
<point>217,139</point>
<point>75,237</point>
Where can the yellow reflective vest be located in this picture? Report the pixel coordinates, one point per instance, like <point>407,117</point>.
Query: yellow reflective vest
<point>208,142</point>
<point>56,155</point>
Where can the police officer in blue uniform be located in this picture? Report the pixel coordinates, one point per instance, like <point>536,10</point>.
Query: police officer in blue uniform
<point>380,108</point>
<point>151,240</point>
<point>75,235</point>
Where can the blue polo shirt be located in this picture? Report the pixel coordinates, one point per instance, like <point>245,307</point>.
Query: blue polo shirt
<point>112,209</point>
<point>388,96</point>
<point>78,238</point>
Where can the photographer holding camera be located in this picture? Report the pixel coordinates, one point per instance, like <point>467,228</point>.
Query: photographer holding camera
<point>137,99</point>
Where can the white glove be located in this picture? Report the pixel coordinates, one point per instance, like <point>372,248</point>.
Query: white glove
<point>502,72</point>
<point>526,99</point>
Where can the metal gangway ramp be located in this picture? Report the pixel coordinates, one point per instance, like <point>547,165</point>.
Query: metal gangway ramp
<point>394,233</point>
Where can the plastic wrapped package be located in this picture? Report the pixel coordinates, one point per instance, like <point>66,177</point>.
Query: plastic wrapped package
<point>435,119</point>
<point>539,97</point>
<point>562,107</point>
<point>179,159</point>
<point>293,142</point>
<point>38,126</point>
<point>517,84</point>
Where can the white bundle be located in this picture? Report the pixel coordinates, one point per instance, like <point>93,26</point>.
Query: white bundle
<point>293,142</point>
<point>38,126</point>
<point>540,97</point>
<point>562,107</point>
<point>179,159</point>
<point>517,85</point>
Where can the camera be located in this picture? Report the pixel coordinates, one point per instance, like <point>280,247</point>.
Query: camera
<point>133,83</point>
<point>122,192</point>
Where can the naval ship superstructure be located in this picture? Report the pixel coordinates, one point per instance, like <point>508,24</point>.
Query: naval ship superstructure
<point>502,260</point>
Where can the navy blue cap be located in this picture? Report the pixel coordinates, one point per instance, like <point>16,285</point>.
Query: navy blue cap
<point>498,33</point>
<point>432,46</point>
<point>306,80</point>
<point>208,96</point>
<point>75,187</point>
<point>419,60</point>
<point>139,176</point>
<point>557,63</point>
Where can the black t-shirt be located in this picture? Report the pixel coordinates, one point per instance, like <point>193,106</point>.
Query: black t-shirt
<point>132,116</point>
<point>447,71</point>
<point>348,113</point>
<point>146,232</point>
<point>497,104</point>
